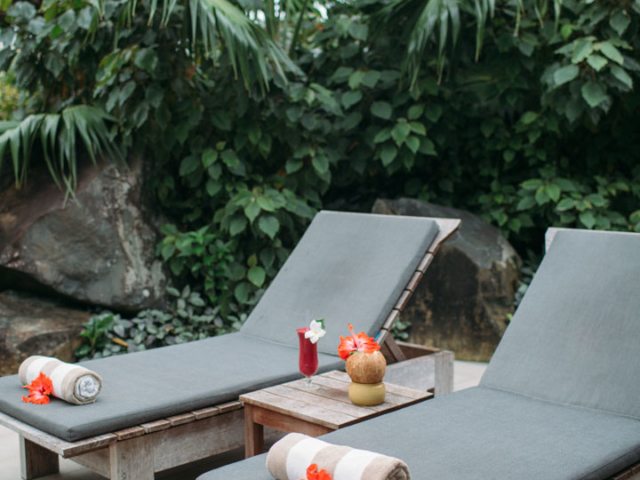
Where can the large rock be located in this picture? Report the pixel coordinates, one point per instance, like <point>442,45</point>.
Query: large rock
<point>34,326</point>
<point>463,302</point>
<point>96,249</point>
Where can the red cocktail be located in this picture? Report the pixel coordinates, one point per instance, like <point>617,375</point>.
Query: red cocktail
<point>308,360</point>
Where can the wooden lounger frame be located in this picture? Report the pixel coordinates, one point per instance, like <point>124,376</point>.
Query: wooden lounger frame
<point>138,452</point>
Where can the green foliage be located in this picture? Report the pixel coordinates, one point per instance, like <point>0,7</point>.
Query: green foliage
<point>189,318</point>
<point>523,112</point>
<point>9,97</point>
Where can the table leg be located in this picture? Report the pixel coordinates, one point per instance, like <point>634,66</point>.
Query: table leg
<point>253,434</point>
<point>36,461</point>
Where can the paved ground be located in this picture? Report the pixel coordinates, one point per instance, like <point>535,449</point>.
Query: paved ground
<point>466,374</point>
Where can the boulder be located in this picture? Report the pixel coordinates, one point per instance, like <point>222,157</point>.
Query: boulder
<point>30,325</point>
<point>98,248</point>
<point>464,301</point>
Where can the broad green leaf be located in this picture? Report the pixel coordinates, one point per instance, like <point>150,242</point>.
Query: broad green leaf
<point>400,132</point>
<point>532,184</point>
<point>221,120</point>
<point>433,112</point>
<point>596,200</point>
<point>597,62</point>
<point>256,275</point>
<point>154,94</point>
<point>230,158</point>
<point>383,135</point>
<point>542,196</point>
<point>387,153</point>
<point>427,147</point>
<point>146,59</point>
<point>241,292</point>
<point>415,111</point>
<point>508,155</point>
<point>358,31</point>
<point>417,127</point>
<point>294,113</point>
<point>619,21</point>
<point>355,79</point>
<point>266,203</point>
<point>308,121</point>
<point>413,143</point>
<point>237,225</point>
<point>582,49</point>
<point>293,165</point>
<point>252,210</point>
<point>565,74</point>
<point>529,117</point>
<point>622,75</point>
<point>126,91</point>
<point>611,52</point>
<point>320,164</point>
<point>526,203</point>
<point>565,204</point>
<point>213,187</point>
<point>371,78</point>
<point>593,93</point>
<point>269,225</point>
<point>351,98</point>
<point>381,110</point>
<point>189,165</point>
<point>352,120</point>
<point>553,191</point>
<point>209,156</point>
<point>588,219</point>
<point>54,63</point>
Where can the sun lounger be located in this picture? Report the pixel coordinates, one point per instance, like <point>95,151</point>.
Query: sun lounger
<point>560,399</point>
<point>165,407</point>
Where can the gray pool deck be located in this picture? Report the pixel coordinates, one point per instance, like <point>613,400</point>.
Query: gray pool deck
<point>466,374</point>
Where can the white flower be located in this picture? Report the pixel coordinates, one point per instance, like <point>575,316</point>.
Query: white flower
<point>316,331</point>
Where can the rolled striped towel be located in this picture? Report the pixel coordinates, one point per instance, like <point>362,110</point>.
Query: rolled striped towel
<point>71,383</point>
<point>290,457</point>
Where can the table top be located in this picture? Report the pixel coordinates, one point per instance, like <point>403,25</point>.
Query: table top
<point>329,405</point>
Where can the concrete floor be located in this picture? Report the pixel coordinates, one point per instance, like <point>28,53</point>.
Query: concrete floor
<point>466,374</point>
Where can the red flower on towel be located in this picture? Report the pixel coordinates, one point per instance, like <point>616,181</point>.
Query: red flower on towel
<point>356,343</point>
<point>314,474</point>
<point>39,390</point>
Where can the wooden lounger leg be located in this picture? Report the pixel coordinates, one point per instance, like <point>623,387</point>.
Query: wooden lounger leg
<point>132,459</point>
<point>36,461</point>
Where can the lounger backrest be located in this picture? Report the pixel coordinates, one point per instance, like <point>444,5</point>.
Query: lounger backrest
<point>347,268</point>
<point>575,338</point>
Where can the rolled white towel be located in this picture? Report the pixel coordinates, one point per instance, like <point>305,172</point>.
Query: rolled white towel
<point>290,457</point>
<point>71,383</point>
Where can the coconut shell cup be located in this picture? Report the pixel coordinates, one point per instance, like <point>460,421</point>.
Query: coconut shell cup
<point>367,368</point>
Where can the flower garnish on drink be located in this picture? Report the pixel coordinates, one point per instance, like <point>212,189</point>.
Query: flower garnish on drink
<point>356,343</point>
<point>308,360</point>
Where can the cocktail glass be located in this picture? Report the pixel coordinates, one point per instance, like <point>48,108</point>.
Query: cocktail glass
<point>308,360</point>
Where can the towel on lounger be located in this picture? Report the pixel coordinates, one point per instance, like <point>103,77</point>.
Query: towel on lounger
<point>71,383</point>
<point>290,457</point>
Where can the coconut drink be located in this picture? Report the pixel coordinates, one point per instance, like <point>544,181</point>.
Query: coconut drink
<point>365,366</point>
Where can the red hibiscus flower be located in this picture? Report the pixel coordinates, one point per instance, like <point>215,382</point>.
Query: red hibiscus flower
<point>314,474</point>
<point>356,343</point>
<point>39,390</point>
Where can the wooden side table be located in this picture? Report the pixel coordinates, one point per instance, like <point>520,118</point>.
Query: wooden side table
<point>291,408</point>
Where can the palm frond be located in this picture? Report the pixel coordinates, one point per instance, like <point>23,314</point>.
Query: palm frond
<point>58,133</point>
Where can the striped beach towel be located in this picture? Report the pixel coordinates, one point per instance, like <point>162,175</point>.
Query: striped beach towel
<point>290,457</point>
<point>71,383</point>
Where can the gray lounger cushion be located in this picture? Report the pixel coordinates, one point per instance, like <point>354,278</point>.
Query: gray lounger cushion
<point>346,268</point>
<point>145,386</point>
<point>559,400</point>
<point>486,434</point>
<point>575,338</point>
